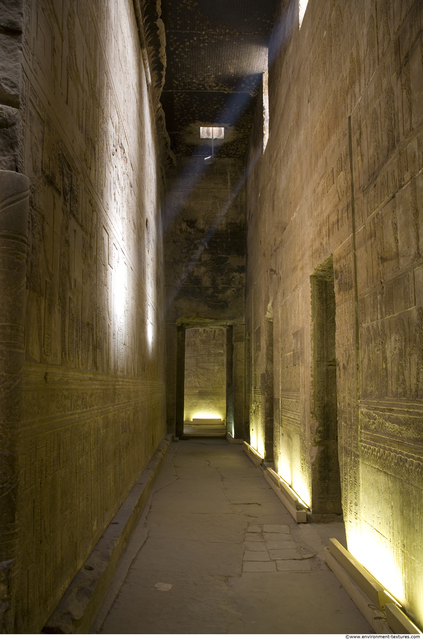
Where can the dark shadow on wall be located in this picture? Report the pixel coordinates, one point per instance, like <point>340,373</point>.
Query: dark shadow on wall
<point>326,484</point>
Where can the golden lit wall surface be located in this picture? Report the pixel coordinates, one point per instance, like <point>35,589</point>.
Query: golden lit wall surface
<point>341,178</point>
<point>93,391</point>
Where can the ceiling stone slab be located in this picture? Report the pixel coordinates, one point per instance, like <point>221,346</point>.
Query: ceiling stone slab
<point>214,62</point>
<point>216,53</point>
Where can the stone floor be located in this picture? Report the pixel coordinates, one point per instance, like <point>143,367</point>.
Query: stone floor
<point>217,552</point>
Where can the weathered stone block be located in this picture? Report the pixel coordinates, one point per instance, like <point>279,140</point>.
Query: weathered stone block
<point>276,528</point>
<point>257,556</point>
<point>9,138</point>
<point>285,554</point>
<point>11,15</point>
<point>10,69</point>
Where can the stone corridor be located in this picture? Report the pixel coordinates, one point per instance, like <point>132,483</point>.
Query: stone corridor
<point>215,551</point>
<point>211,211</point>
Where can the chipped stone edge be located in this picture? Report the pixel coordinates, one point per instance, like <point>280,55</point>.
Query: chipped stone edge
<point>80,604</point>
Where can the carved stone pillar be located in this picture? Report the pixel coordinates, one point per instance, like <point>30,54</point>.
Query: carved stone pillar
<point>14,192</point>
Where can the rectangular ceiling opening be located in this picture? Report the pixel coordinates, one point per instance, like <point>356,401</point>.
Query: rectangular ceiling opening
<point>212,133</point>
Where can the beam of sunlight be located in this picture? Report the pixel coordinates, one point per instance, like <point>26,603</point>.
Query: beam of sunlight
<point>149,208</point>
<point>210,233</point>
<point>280,35</point>
<point>237,103</point>
<point>302,6</point>
<point>265,109</point>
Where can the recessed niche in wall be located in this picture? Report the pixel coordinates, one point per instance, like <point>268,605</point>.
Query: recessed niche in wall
<point>326,484</point>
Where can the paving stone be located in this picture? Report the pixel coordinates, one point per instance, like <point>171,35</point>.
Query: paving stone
<point>281,544</point>
<point>248,596</point>
<point>209,558</point>
<point>276,528</point>
<point>253,537</point>
<point>280,537</point>
<point>255,546</point>
<point>253,528</point>
<point>285,554</point>
<point>293,565</point>
<point>257,556</point>
<point>248,497</point>
<point>259,567</point>
<point>170,525</point>
<point>260,512</point>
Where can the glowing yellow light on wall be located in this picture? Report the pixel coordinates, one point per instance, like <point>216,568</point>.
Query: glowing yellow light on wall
<point>256,437</point>
<point>378,559</point>
<point>300,486</point>
<point>302,6</point>
<point>283,470</point>
<point>253,438</point>
<point>260,443</point>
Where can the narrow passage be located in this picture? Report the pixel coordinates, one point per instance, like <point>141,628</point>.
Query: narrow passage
<point>217,552</point>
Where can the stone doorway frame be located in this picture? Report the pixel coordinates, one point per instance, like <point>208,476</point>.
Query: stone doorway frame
<point>180,371</point>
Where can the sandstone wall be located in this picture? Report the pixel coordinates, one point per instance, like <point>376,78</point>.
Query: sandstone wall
<point>93,378</point>
<point>205,262</point>
<point>341,180</point>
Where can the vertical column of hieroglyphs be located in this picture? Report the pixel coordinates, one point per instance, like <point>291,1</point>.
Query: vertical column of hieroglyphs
<point>14,191</point>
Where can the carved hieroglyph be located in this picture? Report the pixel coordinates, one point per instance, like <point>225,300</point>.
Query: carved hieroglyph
<point>93,377</point>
